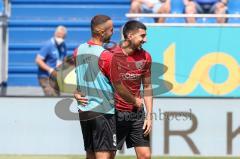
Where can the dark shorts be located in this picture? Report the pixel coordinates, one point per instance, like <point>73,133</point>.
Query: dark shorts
<point>49,86</point>
<point>99,133</point>
<point>205,8</point>
<point>129,129</point>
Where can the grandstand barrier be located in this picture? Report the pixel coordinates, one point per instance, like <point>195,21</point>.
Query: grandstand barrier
<point>179,18</point>
<point>181,127</point>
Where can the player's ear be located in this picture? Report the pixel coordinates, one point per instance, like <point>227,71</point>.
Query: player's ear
<point>99,31</point>
<point>129,36</point>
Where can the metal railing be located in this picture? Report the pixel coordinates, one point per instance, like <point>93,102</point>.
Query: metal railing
<point>204,16</point>
<point>7,7</point>
<point>139,15</point>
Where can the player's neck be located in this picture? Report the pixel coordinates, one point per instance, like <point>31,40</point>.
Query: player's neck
<point>96,41</point>
<point>126,48</point>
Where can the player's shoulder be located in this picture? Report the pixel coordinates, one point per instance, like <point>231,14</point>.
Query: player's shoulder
<point>116,52</point>
<point>106,54</point>
<point>84,44</point>
<point>115,49</point>
<point>111,51</point>
<point>87,46</point>
<point>81,45</point>
<point>49,43</point>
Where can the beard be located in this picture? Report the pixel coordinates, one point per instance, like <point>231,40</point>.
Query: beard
<point>138,46</point>
<point>106,39</point>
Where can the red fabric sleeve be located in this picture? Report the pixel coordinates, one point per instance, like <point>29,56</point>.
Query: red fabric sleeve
<point>75,55</point>
<point>104,62</point>
<point>118,66</point>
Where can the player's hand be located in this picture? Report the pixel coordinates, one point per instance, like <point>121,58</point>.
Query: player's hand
<point>82,100</point>
<point>139,103</point>
<point>147,126</point>
<point>54,74</point>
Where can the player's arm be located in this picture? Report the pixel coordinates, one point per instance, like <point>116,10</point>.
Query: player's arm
<point>41,56</point>
<point>148,100</point>
<point>148,95</point>
<point>80,97</point>
<point>77,94</point>
<point>126,95</point>
<point>40,62</point>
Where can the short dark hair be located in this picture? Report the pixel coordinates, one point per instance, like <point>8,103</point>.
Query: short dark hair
<point>132,25</point>
<point>98,20</point>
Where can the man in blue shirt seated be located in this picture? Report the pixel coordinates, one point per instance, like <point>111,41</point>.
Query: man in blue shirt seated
<point>51,56</point>
<point>205,7</point>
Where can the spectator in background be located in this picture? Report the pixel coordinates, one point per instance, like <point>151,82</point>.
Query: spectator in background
<point>205,7</point>
<point>151,6</point>
<point>51,56</point>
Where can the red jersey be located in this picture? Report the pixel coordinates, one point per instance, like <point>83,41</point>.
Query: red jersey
<point>105,62</point>
<point>75,54</point>
<point>128,69</point>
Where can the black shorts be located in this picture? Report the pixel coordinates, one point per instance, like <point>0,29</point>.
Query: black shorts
<point>205,8</point>
<point>129,129</point>
<point>99,133</point>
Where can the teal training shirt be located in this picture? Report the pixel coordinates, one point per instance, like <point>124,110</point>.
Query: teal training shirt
<point>92,82</point>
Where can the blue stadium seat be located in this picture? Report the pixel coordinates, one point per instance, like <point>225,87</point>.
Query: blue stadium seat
<point>206,20</point>
<point>146,20</point>
<point>70,22</point>
<point>233,20</point>
<point>234,8</point>
<point>22,79</point>
<point>175,20</point>
<point>177,7</point>
<point>40,34</point>
<point>1,6</point>
<point>70,2</point>
<point>53,11</point>
<point>20,57</point>
<point>36,46</point>
<point>22,68</point>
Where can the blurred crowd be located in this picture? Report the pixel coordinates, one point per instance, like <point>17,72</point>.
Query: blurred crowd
<point>185,6</point>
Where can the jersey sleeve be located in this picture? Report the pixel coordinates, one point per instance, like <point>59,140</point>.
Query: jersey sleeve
<point>75,55</point>
<point>117,67</point>
<point>104,62</point>
<point>147,70</point>
<point>44,51</point>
